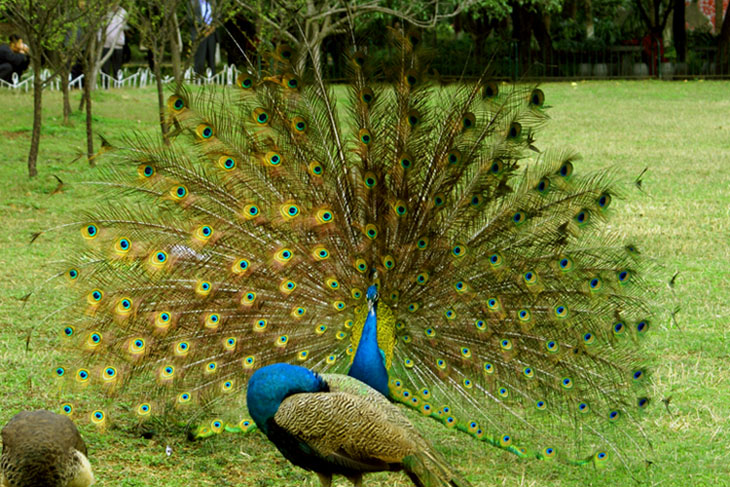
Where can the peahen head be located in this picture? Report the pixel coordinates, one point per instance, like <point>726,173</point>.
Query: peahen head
<point>270,385</point>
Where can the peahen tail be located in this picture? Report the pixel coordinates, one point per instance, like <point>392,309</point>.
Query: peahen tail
<point>428,469</point>
<point>508,305</point>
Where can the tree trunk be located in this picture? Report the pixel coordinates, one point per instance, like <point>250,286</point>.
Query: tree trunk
<point>522,33</point>
<point>82,101</point>
<point>723,46</point>
<point>66,97</point>
<point>590,29</point>
<point>160,94</point>
<point>175,53</point>
<point>572,9</point>
<point>35,137</point>
<point>542,34</point>
<point>176,61</point>
<point>87,102</point>
<point>679,34</point>
<point>718,15</point>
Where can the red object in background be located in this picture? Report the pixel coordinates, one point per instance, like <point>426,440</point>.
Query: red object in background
<point>707,7</point>
<point>652,47</point>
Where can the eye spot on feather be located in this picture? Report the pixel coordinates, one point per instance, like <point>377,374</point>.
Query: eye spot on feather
<point>604,201</point>
<point>315,169</point>
<point>146,171</point>
<point>537,97</point>
<point>413,118</point>
<point>454,157</point>
<point>82,375</point>
<point>179,193</point>
<point>244,81</point>
<point>204,131</point>
<point>98,417</point>
<point>260,116</point>
<point>176,103</point>
<point>90,231</point>
<point>365,137</point>
<point>566,170</point>
<point>543,185</point>
<point>366,96</point>
<point>490,90</point>
<point>248,362</point>
<point>524,315</point>
<point>227,163</point>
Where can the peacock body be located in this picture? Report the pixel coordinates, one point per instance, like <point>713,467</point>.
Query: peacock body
<point>334,424</point>
<point>412,235</point>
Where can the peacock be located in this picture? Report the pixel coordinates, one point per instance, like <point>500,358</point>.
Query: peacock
<point>43,449</point>
<point>334,423</point>
<point>404,231</point>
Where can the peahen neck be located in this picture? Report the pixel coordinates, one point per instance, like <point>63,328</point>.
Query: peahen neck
<point>368,366</point>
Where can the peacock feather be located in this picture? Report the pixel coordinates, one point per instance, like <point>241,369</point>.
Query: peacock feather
<point>409,233</point>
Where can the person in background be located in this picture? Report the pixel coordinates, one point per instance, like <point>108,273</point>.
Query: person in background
<point>14,58</point>
<point>202,26</point>
<point>115,41</point>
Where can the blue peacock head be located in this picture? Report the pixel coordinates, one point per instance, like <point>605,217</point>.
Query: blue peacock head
<point>270,385</point>
<point>372,294</point>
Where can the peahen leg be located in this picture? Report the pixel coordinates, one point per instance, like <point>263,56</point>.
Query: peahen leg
<point>356,480</point>
<point>325,479</point>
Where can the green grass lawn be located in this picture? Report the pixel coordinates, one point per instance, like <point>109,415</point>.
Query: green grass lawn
<point>680,131</point>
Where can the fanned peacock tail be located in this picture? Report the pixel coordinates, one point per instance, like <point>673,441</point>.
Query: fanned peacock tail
<point>508,308</point>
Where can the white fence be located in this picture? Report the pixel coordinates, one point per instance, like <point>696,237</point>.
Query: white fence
<point>125,79</point>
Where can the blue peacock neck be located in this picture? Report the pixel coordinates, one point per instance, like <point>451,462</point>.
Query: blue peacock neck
<point>270,385</point>
<point>368,366</point>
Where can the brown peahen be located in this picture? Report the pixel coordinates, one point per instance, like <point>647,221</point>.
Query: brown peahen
<point>336,424</point>
<point>410,234</point>
<point>43,449</point>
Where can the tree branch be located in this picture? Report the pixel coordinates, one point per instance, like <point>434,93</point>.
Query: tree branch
<point>668,10</point>
<point>643,13</point>
<point>269,21</point>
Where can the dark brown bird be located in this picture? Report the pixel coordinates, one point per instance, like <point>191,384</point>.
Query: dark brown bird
<point>43,449</point>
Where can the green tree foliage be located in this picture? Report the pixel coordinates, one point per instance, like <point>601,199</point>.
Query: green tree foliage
<point>305,24</point>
